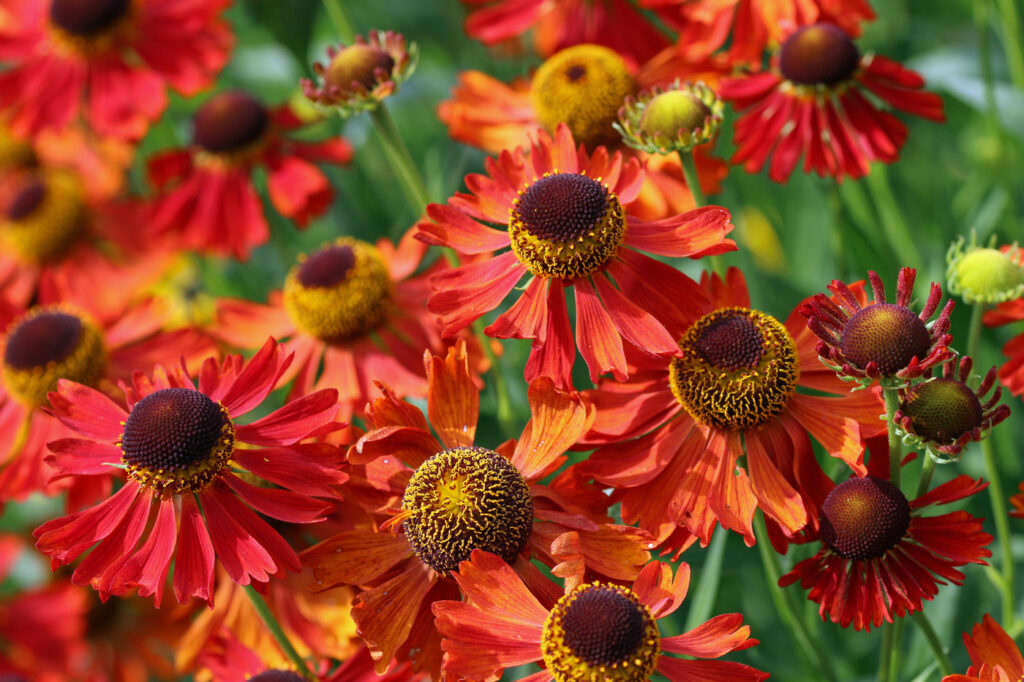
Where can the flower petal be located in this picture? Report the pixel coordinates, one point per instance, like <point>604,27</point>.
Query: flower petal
<point>385,614</point>
<point>276,503</point>
<point>355,557</point>
<point>453,401</point>
<point>297,420</point>
<point>557,420</point>
<point>193,565</point>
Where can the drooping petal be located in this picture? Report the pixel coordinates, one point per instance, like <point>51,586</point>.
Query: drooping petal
<point>713,638</point>
<point>453,401</point>
<point>276,503</point>
<point>297,420</point>
<point>193,565</point>
<point>558,419</point>
<point>355,557</point>
<point>385,615</point>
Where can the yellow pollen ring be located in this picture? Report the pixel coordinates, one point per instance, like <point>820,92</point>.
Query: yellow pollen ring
<point>354,306</point>
<point>572,258</point>
<point>51,228</point>
<point>742,397</point>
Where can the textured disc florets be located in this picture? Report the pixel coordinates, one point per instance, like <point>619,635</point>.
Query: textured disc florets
<point>177,439</point>
<point>821,54</point>
<point>863,518</point>
<point>86,18</point>
<point>44,219</point>
<point>600,632</point>
<point>887,334</point>
<point>358,63</point>
<point>339,292</point>
<point>49,344</point>
<point>738,369</point>
<point>942,410</point>
<point>566,225</point>
<point>463,499</point>
<point>229,122</point>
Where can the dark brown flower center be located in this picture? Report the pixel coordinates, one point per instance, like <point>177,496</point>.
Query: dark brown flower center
<point>358,64</point>
<point>821,54</point>
<point>863,518</point>
<point>463,499</point>
<point>176,437</point>
<point>45,338</point>
<point>942,410</point>
<point>730,342</point>
<point>887,334</point>
<point>229,121</point>
<point>562,207</point>
<point>326,267</point>
<point>277,676</point>
<point>603,626</point>
<point>87,17</point>
<point>27,200</point>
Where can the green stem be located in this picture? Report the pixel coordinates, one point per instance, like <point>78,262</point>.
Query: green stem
<point>933,640</point>
<point>885,661</point>
<point>927,469</point>
<point>260,604</point>
<point>981,24</point>
<point>773,572</point>
<point>689,166</point>
<point>995,492</point>
<point>835,204</point>
<point>339,20</point>
<point>400,159</point>
<point>892,403</point>
<point>892,218</point>
<point>974,331</point>
<point>1012,40</point>
<point>710,579</point>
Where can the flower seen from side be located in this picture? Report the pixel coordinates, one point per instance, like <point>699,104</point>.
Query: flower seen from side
<point>675,119</point>
<point>995,657</point>
<point>813,103</point>
<point>1011,374</point>
<point>985,275</point>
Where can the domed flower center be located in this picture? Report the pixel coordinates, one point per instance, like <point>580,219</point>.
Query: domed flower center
<point>176,439</point>
<point>985,273</point>
<point>820,54</point>
<point>738,370</point>
<point>277,676</point>
<point>229,122</point>
<point>339,292</point>
<point>86,18</point>
<point>863,518</point>
<point>887,334</point>
<point>600,632</point>
<point>566,225</point>
<point>357,65</point>
<point>464,499</point>
<point>669,112</point>
<point>942,410</point>
<point>48,344</point>
<point>44,219</point>
<point>582,86</point>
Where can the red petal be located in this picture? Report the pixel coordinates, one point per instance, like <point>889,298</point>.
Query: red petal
<point>147,569</point>
<point>193,566</point>
<point>558,419</point>
<point>713,638</point>
<point>453,401</point>
<point>385,615</point>
<point>277,503</point>
<point>456,229</point>
<point>87,411</point>
<point>596,337</point>
<point>355,557</point>
<point>660,590</point>
<point>295,421</point>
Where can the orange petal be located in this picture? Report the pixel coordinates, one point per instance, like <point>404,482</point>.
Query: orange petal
<point>558,420</point>
<point>839,435</point>
<point>775,495</point>
<point>659,589</point>
<point>713,638</point>
<point>453,402</point>
<point>354,557</point>
<point>385,615</point>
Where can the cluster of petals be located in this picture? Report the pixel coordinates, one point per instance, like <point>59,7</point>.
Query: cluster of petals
<point>1011,373</point>
<point>995,657</point>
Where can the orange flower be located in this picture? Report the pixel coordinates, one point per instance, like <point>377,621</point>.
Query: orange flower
<point>735,382</point>
<point>567,225</point>
<point>455,497</point>
<point>995,657</point>
<point>595,631</point>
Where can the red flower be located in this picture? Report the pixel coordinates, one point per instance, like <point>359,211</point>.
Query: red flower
<point>565,215</point>
<point>502,624</point>
<point>811,104</point>
<point>208,195</point>
<point>673,434</point>
<point>879,557</point>
<point>1011,374</point>
<point>177,444</point>
<point>995,657</point>
<point>106,61</point>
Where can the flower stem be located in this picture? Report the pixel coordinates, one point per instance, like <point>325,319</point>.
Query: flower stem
<point>892,402</point>
<point>506,419</point>
<point>892,218</point>
<point>1009,20</point>
<point>711,575</point>
<point>689,166</point>
<point>995,493</point>
<point>981,24</point>
<point>339,20</point>
<point>772,572</point>
<point>400,159</point>
<point>927,469</point>
<point>933,640</point>
<point>974,330</point>
<point>260,604</point>
<point>885,662</point>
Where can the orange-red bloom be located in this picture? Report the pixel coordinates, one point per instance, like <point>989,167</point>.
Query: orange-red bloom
<point>456,496</point>
<point>812,104</point>
<point>177,445</point>
<point>1011,374</point>
<point>565,222</point>
<point>107,62</point>
<point>208,198</point>
<point>672,435</point>
<point>995,657</point>
<point>502,624</point>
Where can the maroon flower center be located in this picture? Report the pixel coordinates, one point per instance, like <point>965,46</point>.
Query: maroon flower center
<point>942,410</point>
<point>40,340</point>
<point>820,54</point>
<point>277,676</point>
<point>863,518</point>
<point>358,64</point>
<point>562,207</point>
<point>229,121</point>
<point>887,334</point>
<point>603,626</point>
<point>28,200</point>
<point>87,17</point>
<point>730,341</point>
<point>174,430</point>
<point>326,267</point>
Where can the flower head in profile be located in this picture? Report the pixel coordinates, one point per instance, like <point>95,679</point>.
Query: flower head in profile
<point>106,62</point>
<point>664,121</point>
<point>1011,374</point>
<point>943,414</point>
<point>995,657</point>
<point>207,197</point>
<point>181,448</point>
<point>359,76</point>
<point>985,274</point>
<point>561,219</point>
<point>813,103</point>
<point>595,631</point>
<point>880,341</point>
<point>880,557</point>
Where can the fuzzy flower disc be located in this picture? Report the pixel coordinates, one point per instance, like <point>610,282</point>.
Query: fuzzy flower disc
<point>942,410</point>
<point>863,518</point>
<point>887,334</point>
